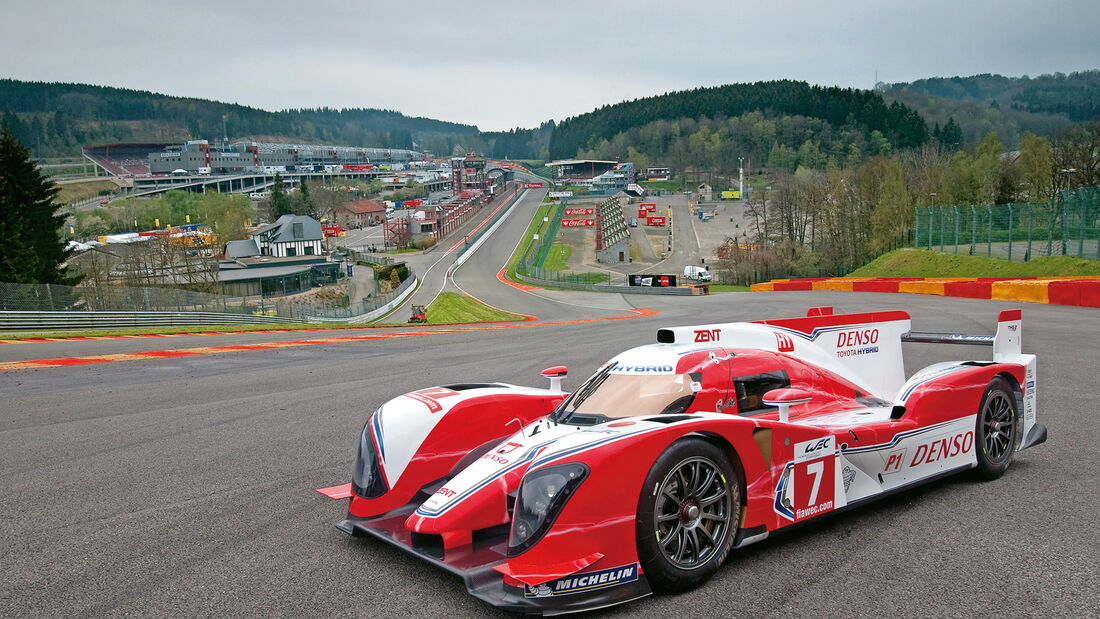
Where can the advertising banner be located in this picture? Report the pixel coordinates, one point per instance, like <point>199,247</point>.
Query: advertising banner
<point>578,223</point>
<point>655,221</point>
<point>648,206</point>
<point>656,281</point>
<point>579,211</point>
<point>560,194</point>
<point>533,185</point>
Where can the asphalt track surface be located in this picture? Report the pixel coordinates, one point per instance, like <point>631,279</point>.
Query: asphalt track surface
<point>185,485</point>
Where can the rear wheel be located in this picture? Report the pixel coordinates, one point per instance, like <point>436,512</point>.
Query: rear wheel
<point>996,432</point>
<point>687,515</point>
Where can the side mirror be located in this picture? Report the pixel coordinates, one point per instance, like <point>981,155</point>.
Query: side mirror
<point>555,374</point>
<point>785,399</point>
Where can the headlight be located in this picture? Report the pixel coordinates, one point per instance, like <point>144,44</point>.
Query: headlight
<point>366,478</point>
<point>540,499</point>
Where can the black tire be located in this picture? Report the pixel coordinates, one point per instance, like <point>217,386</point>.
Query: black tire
<point>996,430</point>
<point>688,514</point>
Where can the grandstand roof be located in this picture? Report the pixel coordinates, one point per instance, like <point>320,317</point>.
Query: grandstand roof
<point>577,162</point>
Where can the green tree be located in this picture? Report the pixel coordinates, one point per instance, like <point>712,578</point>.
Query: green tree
<point>893,214</point>
<point>226,214</point>
<point>1036,166</point>
<point>951,136</point>
<point>302,204</point>
<point>960,181</point>
<point>278,203</point>
<point>30,224</point>
<point>987,166</point>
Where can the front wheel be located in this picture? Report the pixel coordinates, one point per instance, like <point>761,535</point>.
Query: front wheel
<point>687,515</point>
<point>997,429</point>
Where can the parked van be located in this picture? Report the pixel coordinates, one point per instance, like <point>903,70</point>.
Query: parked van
<point>697,273</point>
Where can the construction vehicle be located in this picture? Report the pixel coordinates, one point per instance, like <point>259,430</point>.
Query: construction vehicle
<point>419,315</point>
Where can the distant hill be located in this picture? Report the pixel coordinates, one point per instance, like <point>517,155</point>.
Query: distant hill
<point>54,119</point>
<point>902,126</point>
<point>1076,96</point>
<point>1007,105</point>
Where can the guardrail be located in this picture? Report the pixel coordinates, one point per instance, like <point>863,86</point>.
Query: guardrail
<point>490,224</point>
<point>31,321</point>
<point>358,311</point>
<point>668,290</point>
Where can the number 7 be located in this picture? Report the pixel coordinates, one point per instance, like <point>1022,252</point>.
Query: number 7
<point>815,469</point>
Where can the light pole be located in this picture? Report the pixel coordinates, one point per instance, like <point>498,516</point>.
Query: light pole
<point>741,178</point>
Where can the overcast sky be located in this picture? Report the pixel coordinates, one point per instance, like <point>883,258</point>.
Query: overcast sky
<point>501,65</point>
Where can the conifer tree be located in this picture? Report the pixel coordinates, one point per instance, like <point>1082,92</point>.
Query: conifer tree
<point>30,224</point>
<point>279,202</point>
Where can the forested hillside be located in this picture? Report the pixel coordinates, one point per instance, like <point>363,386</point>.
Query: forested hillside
<point>1008,106</point>
<point>838,107</point>
<point>54,119</point>
<point>1077,95</point>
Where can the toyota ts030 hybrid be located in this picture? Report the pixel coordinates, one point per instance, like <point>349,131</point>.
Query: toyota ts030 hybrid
<point>674,454</point>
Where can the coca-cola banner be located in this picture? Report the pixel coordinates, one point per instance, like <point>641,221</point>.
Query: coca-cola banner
<point>578,223</point>
<point>580,211</point>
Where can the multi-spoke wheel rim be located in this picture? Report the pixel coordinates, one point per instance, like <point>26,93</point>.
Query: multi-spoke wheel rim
<point>998,426</point>
<point>692,514</point>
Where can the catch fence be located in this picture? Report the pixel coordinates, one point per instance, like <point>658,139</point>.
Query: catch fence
<point>1068,225</point>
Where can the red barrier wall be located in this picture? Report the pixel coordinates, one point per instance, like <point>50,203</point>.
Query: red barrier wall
<point>875,286</point>
<point>1084,293</point>
<point>969,290</point>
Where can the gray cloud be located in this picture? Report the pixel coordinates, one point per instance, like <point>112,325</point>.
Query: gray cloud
<point>502,65</point>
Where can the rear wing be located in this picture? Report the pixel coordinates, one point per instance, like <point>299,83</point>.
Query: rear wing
<point>1007,343</point>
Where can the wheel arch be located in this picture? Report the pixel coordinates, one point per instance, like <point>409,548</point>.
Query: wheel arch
<point>1018,396</point>
<point>1017,391</point>
<point>728,449</point>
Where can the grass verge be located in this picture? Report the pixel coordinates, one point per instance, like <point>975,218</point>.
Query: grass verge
<point>558,257</point>
<point>924,263</point>
<point>728,288</point>
<point>71,192</point>
<point>453,308</point>
<point>546,209</point>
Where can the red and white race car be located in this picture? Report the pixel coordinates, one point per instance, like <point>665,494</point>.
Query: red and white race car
<point>674,454</point>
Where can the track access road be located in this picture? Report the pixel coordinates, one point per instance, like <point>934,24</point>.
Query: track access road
<point>185,485</point>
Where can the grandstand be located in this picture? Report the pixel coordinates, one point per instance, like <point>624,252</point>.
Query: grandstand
<point>580,171</point>
<point>199,156</point>
<point>612,233</point>
<point>122,159</point>
<point>194,155</point>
